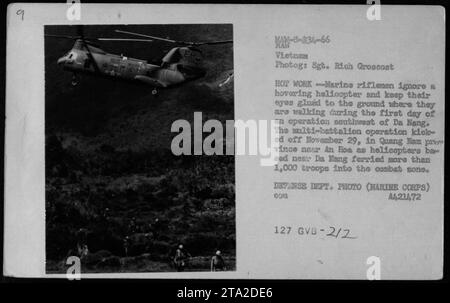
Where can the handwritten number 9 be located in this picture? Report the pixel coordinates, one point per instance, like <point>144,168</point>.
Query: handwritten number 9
<point>20,12</point>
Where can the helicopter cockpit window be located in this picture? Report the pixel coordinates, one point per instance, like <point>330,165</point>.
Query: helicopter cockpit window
<point>186,69</point>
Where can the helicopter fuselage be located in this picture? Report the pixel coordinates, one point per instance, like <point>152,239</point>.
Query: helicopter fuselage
<point>98,62</point>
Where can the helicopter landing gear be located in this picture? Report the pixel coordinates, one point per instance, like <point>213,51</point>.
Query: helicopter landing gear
<point>75,80</point>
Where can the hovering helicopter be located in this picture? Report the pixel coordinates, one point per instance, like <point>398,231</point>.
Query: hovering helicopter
<point>181,64</point>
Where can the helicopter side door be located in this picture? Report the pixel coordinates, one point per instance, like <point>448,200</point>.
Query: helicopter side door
<point>122,67</point>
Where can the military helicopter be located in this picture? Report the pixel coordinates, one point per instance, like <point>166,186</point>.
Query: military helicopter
<point>181,64</point>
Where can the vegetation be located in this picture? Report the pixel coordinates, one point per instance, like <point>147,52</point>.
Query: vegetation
<point>112,195</point>
<point>109,169</point>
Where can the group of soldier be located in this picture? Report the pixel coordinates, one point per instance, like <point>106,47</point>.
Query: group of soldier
<point>180,258</point>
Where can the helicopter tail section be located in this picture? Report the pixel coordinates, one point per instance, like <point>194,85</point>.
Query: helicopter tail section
<point>191,56</point>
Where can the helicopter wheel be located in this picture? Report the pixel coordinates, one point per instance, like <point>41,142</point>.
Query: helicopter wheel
<point>75,80</point>
<point>154,92</point>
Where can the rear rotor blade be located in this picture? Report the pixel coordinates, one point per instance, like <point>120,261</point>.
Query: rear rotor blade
<point>148,36</point>
<point>124,39</point>
<point>80,31</point>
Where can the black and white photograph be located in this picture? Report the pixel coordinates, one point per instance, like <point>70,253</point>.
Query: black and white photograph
<point>116,194</point>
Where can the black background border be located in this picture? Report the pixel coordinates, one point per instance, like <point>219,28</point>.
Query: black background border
<point>165,290</point>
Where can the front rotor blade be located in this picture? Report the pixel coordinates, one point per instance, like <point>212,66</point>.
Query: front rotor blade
<point>71,37</point>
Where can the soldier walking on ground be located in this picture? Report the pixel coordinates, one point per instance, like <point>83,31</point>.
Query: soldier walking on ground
<point>217,262</point>
<point>181,258</point>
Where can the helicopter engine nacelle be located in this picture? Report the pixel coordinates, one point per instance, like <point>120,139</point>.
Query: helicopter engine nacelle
<point>184,55</point>
<point>187,60</point>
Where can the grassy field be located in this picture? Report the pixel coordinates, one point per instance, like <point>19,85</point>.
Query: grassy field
<point>139,264</point>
